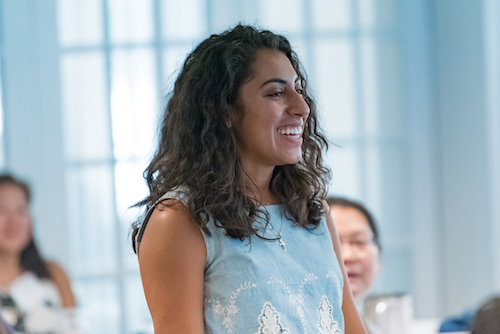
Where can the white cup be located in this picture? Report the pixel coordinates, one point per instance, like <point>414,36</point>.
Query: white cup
<point>391,313</point>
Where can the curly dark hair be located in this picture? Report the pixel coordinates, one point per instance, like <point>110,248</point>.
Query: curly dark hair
<point>198,151</point>
<point>31,259</point>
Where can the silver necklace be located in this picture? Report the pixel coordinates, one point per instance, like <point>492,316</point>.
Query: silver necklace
<point>278,235</point>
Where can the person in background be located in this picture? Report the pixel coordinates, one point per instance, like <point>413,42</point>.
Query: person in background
<point>484,320</point>
<point>359,242</point>
<point>39,291</point>
<point>360,247</point>
<point>237,237</point>
<point>487,318</point>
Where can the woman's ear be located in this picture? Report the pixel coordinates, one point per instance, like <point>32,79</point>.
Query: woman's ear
<point>233,113</point>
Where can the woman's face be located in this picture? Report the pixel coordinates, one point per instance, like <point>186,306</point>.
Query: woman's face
<point>269,130</point>
<point>359,252</point>
<point>15,219</point>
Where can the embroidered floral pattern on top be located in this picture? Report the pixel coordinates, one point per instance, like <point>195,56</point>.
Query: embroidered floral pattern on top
<point>326,323</point>
<point>331,274</point>
<point>297,299</point>
<point>270,322</point>
<point>229,312</point>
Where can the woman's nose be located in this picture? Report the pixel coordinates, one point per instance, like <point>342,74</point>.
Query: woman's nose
<point>298,105</point>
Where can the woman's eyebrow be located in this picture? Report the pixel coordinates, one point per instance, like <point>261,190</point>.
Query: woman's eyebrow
<point>278,80</point>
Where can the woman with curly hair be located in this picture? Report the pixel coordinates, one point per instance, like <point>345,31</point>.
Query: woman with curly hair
<point>237,237</point>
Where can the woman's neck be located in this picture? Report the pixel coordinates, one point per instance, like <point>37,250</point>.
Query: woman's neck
<point>257,185</point>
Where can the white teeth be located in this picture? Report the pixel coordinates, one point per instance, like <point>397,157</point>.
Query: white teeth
<point>291,131</point>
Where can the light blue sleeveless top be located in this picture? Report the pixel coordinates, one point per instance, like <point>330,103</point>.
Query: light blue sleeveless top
<point>259,288</point>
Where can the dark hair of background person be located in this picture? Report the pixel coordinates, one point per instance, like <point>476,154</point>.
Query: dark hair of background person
<point>346,203</point>
<point>198,150</point>
<point>31,259</point>
<point>487,318</point>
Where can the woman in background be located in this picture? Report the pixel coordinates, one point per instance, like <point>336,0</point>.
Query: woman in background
<point>35,292</point>
<point>237,238</point>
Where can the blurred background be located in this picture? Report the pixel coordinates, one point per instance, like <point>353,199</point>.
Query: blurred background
<point>408,94</point>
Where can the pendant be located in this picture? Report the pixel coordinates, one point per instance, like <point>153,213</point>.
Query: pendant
<point>282,244</point>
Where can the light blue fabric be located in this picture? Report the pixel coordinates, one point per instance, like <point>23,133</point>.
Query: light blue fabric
<point>257,287</point>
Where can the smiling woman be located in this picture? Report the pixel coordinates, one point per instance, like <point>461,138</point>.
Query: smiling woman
<point>39,290</point>
<point>238,239</point>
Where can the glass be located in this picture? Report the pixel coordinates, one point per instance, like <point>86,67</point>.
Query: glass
<point>2,140</point>
<point>173,60</point>
<point>134,102</point>
<point>183,20</point>
<point>99,306</point>
<point>391,118</point>
<point>359,243</point>
<point>138,319</point>
<point>393,175</point>
<point>345,166</point>
<point>397,274</point>
<point>80,22</point>
<point>91,221</point>
<point>130,189</point>
<point>332,15</point>
<point>282,16</point>
<point>335,72</point>
<point>85,111</point>
<point>381,14</point>
<point>369,85</point>
<point>131,21</point>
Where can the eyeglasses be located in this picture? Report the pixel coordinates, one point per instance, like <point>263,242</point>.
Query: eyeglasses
<point>357,244</point>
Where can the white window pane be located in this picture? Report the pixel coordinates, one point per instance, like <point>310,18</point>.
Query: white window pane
<point>92,228</point>
<point>395,190</point>
<point>330,14</point>
<point>301,48</point>
<point>134,102</point>
<point>390,86</point>
<point>86,120</point>
<point>370,86</point>
<point>130,189</point>
<point>396,273</point>
<point>372,171</point>
<point>336,87</point>
<point>367,19</point>
<point>138,316</point>
<point>345,166</point>
<point>281,16</point>
<point>80,22</point>
<point>98,301</point>
<point>173,60</point>
<point>378,14</point>
<point>131,21</point>
<point>2,145</point>
<point>183,20</point>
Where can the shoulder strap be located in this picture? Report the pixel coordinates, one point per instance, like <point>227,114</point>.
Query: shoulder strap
<point>177,193</point>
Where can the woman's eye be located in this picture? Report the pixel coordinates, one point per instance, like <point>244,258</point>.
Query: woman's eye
<point>300,91</point>
<point>277,94</point>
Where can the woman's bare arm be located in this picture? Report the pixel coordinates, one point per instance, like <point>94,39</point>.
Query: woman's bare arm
<point>172,258</point>
<point>353,323</point>
<point>63,284</point>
